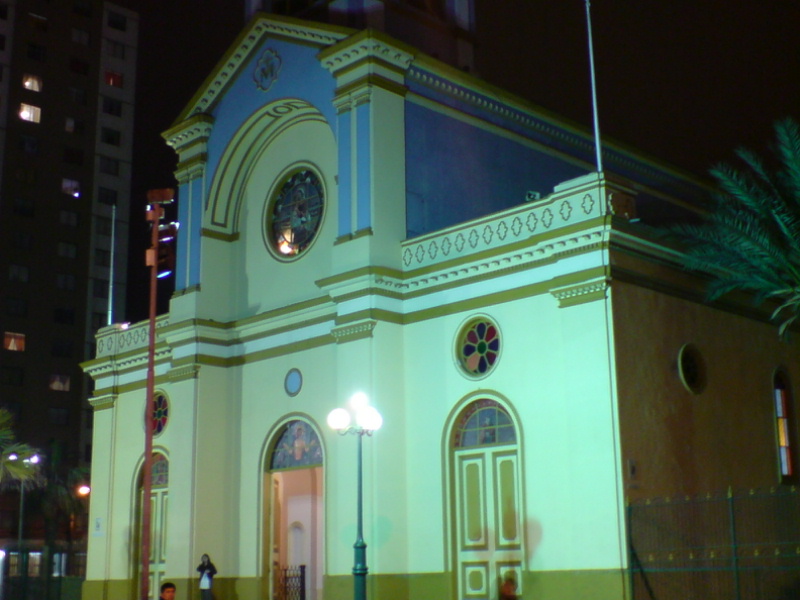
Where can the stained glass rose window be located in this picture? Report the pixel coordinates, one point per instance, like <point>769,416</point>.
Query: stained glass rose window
<point>478,346</point>
<point>160,413</point>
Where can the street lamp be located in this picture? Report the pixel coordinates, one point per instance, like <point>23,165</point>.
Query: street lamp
<point>367,421</point>
<point>22,570</point>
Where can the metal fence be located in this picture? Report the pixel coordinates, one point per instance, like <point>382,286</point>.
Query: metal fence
<point>732,546</point>
<point>23,576</point>
<point>290,583</point>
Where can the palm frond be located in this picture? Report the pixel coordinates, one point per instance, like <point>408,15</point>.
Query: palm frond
<point>788,134</point>
<point>16,466</point>
<point>750,241</point>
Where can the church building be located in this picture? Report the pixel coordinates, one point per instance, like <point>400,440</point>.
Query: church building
<point>361,219</point>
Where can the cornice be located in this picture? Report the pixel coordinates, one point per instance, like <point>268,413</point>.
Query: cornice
<point>365,46</point>
<point>103,402</point>
<point>585,291</point>
<point>353,331</point>
<point>195,129</point>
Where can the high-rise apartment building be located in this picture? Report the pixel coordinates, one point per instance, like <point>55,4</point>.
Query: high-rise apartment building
<point>67,81</point>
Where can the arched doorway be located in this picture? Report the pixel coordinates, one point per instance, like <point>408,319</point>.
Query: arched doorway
<point>159,496</point>
<point>487,521</point>
<point>294,511</point>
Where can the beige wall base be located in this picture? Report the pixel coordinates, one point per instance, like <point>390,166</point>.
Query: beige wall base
<point>541,585</point>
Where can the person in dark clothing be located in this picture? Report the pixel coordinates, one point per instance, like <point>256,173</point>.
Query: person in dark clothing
<point>207,571</point>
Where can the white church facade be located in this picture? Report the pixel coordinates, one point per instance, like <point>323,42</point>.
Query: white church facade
<point>359,217</point>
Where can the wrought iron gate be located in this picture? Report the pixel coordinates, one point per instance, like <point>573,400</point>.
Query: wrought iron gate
<point>290,582</point>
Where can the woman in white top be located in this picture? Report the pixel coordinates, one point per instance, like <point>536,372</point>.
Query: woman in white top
<point>207,571</point>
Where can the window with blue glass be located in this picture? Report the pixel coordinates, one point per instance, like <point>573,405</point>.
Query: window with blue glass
<point>484,422</point>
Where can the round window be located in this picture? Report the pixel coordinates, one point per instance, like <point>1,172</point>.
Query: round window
<point>294,213</point>
<point>293,382</point>
<point>691,368</point>
<point>478,347</point>
<point>160,412</point>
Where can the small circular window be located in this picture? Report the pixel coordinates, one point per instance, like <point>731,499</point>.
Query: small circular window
<point>691,368</point>
<point>294,213</point>
<point>160,413</point>
<point>293,382</point>
<point>478,347</point>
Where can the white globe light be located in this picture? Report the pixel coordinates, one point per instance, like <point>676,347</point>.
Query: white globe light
<point>358,401</point>
<point>369,418</point>
<point>34,459</point>
<point>339,419</point>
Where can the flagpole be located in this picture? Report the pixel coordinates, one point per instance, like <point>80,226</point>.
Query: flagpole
<point>598,156</point>
<point>110,315</point>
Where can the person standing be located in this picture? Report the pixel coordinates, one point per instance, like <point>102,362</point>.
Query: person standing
<point>207,571</point>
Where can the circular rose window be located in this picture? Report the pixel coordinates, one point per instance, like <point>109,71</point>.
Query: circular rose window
<point>160,413</point>
<point>478,347</point>
<point>294,213</point>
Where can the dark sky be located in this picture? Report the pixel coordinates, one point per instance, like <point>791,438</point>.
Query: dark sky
<point>686,81</point>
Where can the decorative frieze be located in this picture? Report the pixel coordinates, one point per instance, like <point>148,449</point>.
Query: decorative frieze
<point>121,338</point>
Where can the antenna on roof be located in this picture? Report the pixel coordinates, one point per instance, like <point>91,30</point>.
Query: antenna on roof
<point>597,149</point>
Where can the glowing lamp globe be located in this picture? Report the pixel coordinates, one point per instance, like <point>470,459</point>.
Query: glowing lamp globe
<point>369,418</point>
<point>339,419</point>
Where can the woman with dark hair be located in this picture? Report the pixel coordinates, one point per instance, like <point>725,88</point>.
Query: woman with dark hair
<point>207,571</point>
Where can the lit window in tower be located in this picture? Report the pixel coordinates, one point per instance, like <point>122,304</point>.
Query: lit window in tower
<point>113,79</point>
<point>32,82</point>
<point>59,383</point>
<point>71,187</point>
<point>14,341</point>
<point>29,112</point>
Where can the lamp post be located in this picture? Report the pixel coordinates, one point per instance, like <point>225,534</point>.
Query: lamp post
<point>367,421</point>
<point>22,570</point>
<point>156,199</point>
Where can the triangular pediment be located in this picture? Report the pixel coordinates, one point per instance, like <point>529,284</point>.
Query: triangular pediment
<point>262,26</point>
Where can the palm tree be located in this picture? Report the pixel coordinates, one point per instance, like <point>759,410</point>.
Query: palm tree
<point>17,462</point>
<point>750,240</point>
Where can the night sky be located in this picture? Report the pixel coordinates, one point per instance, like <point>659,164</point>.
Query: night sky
<point>686,81</point>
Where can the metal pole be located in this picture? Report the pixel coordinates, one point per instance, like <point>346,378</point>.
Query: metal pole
<point>734,548</point>
<point>596,119</point>
<point>21,570</point>
<point>360,569</point>
<point>110,316</point>
<point>154,216</point>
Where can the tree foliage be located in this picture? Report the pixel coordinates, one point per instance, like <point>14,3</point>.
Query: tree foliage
<point>750,240</point>
<point>15,458</point>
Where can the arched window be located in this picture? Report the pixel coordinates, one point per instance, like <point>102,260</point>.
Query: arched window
<point>298,446</point>
<point>159,473</point>
<point>484,422</point>
<point>785,436</point>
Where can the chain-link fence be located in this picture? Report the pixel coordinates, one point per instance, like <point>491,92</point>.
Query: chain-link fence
<point>732,546</point>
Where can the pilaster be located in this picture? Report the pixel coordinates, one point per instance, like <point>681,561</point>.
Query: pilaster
<point>190,140</point>
<point>370,71</point>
